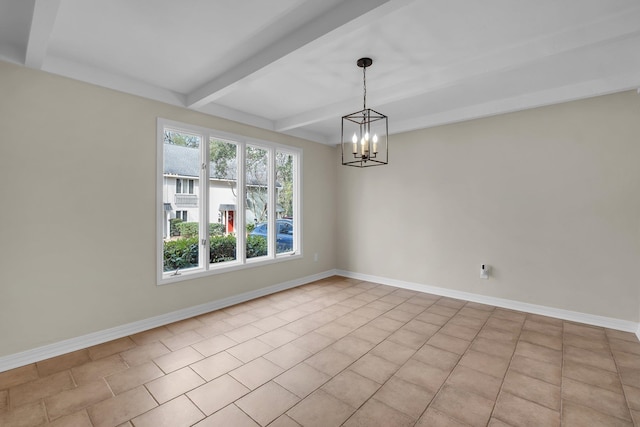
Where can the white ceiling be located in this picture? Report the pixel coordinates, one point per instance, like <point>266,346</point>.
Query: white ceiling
<point>289,65</point>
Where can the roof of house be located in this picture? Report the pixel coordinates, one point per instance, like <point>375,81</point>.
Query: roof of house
<point>181,161</point>
<point>185,161</point>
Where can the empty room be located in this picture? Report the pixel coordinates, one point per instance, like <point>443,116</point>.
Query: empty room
<point>419,213</point>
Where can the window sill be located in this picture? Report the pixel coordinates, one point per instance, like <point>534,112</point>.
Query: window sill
<point>168,278</point>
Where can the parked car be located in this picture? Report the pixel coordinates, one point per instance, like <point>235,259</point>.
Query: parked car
<point>284,235</point>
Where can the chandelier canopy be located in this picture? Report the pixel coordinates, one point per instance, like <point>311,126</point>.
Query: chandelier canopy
<point>365,133</point>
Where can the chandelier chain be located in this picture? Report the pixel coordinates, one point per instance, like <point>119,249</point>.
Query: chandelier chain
<point>364,84</point>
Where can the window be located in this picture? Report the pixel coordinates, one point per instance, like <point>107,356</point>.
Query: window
<point>184,186</point>
<point>241,197</point>
<point>182,215</point>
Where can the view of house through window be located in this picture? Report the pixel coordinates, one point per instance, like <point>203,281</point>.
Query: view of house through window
<point>181,167</point>
<point>224,195</point>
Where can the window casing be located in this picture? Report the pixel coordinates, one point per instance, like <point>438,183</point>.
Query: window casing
<point>247,215</point>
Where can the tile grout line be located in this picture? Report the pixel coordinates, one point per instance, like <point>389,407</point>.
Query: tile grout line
<point>597,386</point>
<point>452,369</point>
<point>329,345</point>
<point>347,367</point>
<point>243,411</point>
<point>562,376</point>
<point>495,402</point>
<point>622,384</point>
<point>302,361</point>
<point>46,412</point>
<point>382,385</point>
<point>455,366</point>
<point>559,411</point>
<point>438,330</point>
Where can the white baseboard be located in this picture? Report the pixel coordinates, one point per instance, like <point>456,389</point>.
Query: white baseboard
<point>62,347</point>
<point>574,316</point>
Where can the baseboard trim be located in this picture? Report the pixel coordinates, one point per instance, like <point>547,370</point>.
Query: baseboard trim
<point>62,347</point>
<point>574,316</point>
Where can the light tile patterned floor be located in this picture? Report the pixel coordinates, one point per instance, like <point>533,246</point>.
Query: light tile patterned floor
<point>340,352</point>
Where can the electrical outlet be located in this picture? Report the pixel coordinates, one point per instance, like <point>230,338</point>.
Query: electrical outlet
<point>484,271</point>
<point>315,257</point>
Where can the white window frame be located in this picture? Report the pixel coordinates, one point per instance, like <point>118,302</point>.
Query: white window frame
<point>241,261</point>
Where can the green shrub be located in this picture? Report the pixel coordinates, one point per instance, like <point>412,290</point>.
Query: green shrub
<point>216,229</point>
<point>222,248</point>
<point>188,229</point>
<point>250,227</point>
<point>173,226</point>
<point>256,246</point>
<point>181,253</point>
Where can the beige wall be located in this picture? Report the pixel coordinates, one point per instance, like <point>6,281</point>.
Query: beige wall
<point>549,197</point>
<point>72,261</point>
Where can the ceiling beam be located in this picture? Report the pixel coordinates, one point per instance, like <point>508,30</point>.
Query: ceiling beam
<point>608,29</point>
<point>556,95</point>
<point>101,77</point>
<point>42,22</point>
<point>306,32</point>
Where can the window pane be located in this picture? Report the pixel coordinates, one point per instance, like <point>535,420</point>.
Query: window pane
<point>284,202</point>
<point>256,182</point>
<point>223,200</point>
<point>181,163</point>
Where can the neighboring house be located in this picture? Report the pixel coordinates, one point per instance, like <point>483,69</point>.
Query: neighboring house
<point>181,190</point>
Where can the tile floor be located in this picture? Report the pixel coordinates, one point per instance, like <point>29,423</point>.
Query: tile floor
<point>340,352</point>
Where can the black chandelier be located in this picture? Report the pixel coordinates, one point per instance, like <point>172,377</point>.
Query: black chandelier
<point>365,133</point>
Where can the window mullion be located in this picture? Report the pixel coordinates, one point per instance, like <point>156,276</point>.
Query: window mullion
<point>271,197</point>
<point>240,215</point>
<point>297,204</point>
<point>204,203</point>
